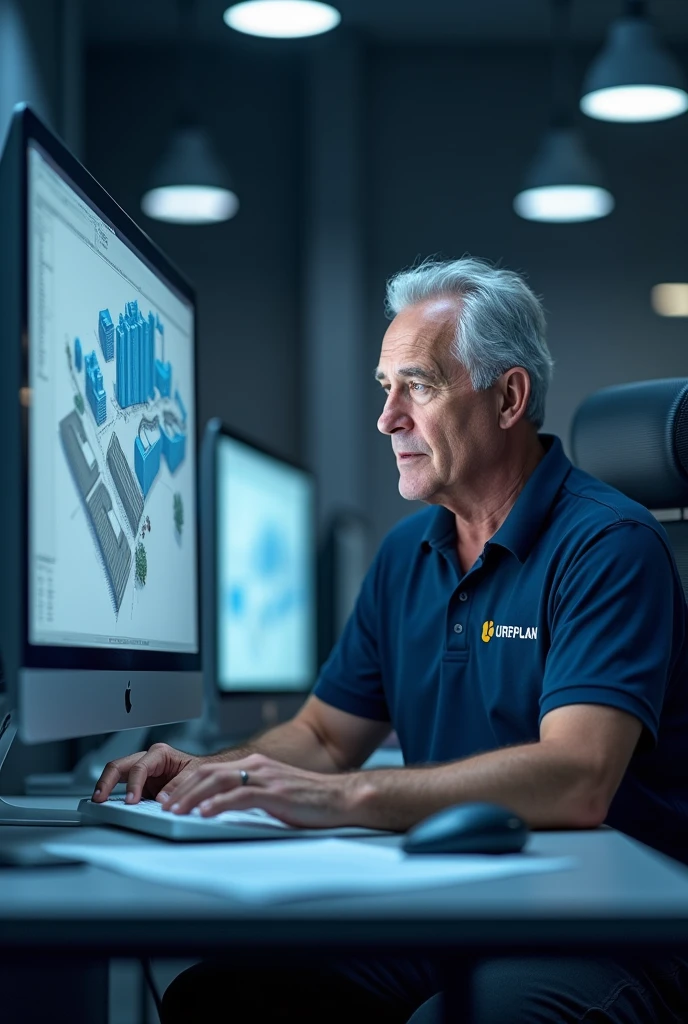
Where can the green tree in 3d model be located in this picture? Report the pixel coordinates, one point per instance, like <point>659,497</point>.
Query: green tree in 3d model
<point>178,512</point>
<point>141,564</point>
<point>79,403</point>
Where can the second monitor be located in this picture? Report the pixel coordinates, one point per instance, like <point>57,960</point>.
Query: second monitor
<point>258,543</point>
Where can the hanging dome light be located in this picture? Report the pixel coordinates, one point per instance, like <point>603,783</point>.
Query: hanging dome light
<point>634,78</point>
<point>564,183</point>
<point>282,19</point>
<point>190,185</point>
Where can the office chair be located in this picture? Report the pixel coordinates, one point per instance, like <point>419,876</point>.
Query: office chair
<point>635,437</point>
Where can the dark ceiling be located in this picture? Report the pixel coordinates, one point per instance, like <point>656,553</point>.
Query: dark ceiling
<point>470,21</point>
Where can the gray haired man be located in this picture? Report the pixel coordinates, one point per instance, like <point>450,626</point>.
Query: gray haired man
<point>500,632</point>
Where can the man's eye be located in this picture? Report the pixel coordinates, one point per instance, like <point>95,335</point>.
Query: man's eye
<point>419,388</point>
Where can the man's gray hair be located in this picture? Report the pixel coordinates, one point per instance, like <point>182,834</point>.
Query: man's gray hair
<point>501,322</point>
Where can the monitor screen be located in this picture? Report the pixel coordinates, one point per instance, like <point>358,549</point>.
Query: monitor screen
<point>265,566</point>
<point>111,460</point>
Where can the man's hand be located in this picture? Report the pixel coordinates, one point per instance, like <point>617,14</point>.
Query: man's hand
<point>147,773</point>
<point>297,797</point>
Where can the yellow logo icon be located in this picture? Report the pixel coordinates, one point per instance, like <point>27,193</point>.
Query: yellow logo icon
<point>488,630</point>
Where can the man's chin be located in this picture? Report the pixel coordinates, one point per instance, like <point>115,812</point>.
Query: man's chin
<point>417,479</point>
<point>414,492</point>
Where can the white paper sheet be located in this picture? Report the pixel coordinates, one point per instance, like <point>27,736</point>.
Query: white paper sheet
<point>272,872</point>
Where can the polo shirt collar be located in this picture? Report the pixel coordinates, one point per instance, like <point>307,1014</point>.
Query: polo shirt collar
<point>440,530</point>
<point>520,529</point>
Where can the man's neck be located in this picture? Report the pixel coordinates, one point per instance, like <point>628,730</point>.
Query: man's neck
<point>478,521</point>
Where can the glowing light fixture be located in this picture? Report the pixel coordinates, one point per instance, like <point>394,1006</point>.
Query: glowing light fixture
<point>670,299</point>
<point>282,19</point>
<point>190,185</point>
<point>563,184</point>
<point>564,204</point>
<point>634,78</point>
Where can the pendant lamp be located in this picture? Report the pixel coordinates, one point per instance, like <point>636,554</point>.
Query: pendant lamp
<point>563,184</point>
<point>189,184</point>
<point>634,78</point>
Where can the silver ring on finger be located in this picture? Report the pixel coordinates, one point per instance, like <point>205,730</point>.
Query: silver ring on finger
<point>243,775</point>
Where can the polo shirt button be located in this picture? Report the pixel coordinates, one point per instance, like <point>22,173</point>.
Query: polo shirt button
<point>458,628</point>
<point>463,596</point>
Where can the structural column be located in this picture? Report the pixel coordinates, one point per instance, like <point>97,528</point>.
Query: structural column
<point>71,75</point>
<point>335,425</point>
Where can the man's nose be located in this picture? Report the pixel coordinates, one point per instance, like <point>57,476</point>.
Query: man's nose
<point>393,417</point>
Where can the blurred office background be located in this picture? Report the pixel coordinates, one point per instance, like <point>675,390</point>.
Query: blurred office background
<point>403,133</point>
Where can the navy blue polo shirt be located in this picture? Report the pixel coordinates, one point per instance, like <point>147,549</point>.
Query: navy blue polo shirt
<point>576,599</point>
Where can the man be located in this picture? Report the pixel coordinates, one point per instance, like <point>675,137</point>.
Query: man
<point>526,637</point>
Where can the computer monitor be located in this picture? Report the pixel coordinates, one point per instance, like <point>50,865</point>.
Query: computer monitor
<point>258,539</point>
<point>343,562</point>
<point>99,591</point>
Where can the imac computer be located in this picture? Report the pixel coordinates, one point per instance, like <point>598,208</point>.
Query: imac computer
<point>258,544</point>
<point>99,591</point>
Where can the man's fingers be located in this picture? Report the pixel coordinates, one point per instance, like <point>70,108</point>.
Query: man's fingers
<point>138,776</point>
<point>114,772</point>
<point>237,800</point>
<point>145,771</point>
<point>182,785</point>
<point>172,785</point>
<point>200,785</point>
<point>151,765</point>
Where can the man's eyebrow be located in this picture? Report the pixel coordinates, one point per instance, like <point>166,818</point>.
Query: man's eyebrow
<point>419,372</point>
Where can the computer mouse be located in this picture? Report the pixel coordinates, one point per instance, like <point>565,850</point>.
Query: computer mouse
<point>468,828</point>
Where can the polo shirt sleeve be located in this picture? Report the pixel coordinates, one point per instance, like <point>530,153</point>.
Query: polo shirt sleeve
<point>616,623</point>
<point>351,678</point>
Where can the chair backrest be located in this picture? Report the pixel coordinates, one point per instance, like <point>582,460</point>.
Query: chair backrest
<point>635,437</point>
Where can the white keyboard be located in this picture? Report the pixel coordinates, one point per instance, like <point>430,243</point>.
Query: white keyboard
<point>149,816</point>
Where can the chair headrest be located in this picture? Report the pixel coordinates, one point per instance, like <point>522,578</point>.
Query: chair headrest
<point>635,437</point>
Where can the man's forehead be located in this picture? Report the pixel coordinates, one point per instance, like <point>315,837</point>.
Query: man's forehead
<point>408,361</point>
<point>420,336</point>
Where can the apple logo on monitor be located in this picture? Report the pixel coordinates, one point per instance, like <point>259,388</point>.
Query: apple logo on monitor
<point>127,698</point>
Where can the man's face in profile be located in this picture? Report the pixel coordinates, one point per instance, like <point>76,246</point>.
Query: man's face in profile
<point>443,432</point>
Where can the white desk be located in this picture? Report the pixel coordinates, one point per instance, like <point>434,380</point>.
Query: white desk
<point>621,896</point>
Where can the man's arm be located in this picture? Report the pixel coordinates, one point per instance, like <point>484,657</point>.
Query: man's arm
<point>320,738</point>
<point>566,780</point>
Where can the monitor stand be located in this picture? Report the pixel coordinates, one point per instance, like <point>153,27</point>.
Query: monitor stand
<point>26,810</point>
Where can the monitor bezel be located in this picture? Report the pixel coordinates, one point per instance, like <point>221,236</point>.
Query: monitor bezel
<point>216,430</point>
<point>58,656</point>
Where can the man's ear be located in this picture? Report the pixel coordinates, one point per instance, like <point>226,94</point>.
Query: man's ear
<point>514,388</point>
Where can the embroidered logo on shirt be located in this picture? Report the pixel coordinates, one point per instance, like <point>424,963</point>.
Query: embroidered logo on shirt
<point>516,632</point>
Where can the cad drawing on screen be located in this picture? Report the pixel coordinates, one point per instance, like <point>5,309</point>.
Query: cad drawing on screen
<point>124,438</point>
